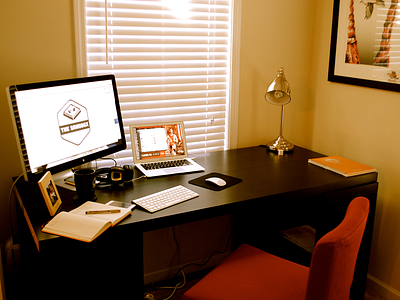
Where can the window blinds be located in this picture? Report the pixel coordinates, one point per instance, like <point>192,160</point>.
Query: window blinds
<point>171,59</point>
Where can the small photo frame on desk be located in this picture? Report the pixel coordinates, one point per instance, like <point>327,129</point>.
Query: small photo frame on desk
<point>50,193</point>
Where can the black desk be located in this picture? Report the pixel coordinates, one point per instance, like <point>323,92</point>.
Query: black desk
<point>277,191</point>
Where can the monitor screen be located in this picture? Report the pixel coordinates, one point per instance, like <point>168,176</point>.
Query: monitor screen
<point>158,141</point>
<point>63,124</point>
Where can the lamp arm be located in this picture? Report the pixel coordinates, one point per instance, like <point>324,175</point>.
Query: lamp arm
<point>281,129</point>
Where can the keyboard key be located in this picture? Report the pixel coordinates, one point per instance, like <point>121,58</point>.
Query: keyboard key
<point>166,164</point>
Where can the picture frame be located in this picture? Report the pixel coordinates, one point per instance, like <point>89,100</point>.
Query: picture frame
<point>50,193</point>
<point>358,55</point>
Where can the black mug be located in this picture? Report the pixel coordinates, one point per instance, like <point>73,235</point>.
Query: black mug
<point>85,185</point>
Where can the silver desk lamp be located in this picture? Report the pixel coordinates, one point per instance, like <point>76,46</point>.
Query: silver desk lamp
<point>278,93</point>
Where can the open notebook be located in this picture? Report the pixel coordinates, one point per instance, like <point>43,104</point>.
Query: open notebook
<point>160,149</point>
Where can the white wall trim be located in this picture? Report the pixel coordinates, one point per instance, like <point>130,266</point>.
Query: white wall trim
<point>382,288</point>
<point>80,40</point>
<point>233,118</point>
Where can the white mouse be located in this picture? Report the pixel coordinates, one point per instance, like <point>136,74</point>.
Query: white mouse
<point>216,181</point>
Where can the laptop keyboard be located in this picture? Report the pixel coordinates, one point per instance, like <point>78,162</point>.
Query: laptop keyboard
<point>165,198</point>
<point>166,164</point>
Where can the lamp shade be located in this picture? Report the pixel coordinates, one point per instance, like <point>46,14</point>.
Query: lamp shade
<point>278,92</point>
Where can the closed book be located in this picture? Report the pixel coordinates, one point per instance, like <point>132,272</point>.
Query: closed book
<point>342,166</point>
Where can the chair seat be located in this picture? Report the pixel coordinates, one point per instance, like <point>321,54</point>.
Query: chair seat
<point>249,273</point>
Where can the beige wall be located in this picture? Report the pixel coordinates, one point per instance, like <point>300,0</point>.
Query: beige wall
<point>336,119</point>
<point>362,124</point>
<point>275,34</point>
<point>359,123</point>
<point>37,44</point>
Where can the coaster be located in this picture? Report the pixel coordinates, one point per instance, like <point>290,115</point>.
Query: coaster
<point>201,181</point>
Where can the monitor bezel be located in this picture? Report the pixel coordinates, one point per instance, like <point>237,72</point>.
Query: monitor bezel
<point>28,175</point>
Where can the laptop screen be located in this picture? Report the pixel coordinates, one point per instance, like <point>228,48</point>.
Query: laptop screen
<point>155,142</point>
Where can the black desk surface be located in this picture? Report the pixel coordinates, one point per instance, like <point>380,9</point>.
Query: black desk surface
<point>265,175</point>
<point>280,185</point>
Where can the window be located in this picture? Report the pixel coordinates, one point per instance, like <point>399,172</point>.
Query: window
<point>172,60</point>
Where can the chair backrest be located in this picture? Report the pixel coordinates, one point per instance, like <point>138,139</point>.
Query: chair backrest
<point>334,257</point>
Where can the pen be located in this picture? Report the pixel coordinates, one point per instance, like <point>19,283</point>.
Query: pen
<point>107,211</point>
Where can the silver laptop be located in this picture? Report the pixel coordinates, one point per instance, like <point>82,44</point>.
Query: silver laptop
<point>160,149</point>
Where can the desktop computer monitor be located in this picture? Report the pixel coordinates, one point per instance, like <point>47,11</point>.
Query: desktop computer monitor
<point>65,123</point>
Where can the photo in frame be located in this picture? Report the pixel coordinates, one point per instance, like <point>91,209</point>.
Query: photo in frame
<point>50,193</point>
<point>365,44</point>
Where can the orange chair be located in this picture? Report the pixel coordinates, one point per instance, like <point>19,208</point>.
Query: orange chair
<point>249,273</point>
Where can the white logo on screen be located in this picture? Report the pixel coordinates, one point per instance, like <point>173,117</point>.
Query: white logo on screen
<point>73,122</point>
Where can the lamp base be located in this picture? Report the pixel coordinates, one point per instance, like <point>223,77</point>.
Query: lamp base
<point>280,144</point>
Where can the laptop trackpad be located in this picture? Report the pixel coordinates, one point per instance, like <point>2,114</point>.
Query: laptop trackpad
<point>173,170</point>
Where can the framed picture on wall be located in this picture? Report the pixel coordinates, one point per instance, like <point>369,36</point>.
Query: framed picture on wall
<point>365,44</point>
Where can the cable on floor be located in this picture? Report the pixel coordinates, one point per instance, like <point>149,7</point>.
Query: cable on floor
<point>182,283</point>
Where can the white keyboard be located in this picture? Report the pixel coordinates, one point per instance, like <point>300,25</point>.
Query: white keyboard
<point>165,198</point>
